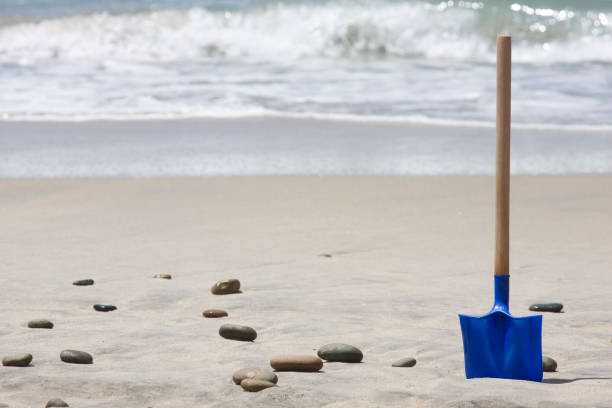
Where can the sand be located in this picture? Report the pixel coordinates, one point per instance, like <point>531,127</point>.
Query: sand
<point>408,254</point>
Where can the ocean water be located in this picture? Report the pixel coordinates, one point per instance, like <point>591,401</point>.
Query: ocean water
<point>385,60</point>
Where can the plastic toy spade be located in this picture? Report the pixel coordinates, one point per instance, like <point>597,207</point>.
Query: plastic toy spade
<point>498,344</point>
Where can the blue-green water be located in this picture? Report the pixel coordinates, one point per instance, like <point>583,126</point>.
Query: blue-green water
<point>401,60</point>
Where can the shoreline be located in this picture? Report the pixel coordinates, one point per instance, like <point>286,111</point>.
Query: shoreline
<point>287,147</point>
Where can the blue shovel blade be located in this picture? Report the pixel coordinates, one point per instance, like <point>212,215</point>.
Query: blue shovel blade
<point>499,345</point>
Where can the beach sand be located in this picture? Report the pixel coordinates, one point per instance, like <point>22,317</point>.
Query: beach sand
<point>407,255</point>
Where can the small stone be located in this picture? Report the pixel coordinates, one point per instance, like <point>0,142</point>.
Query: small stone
<point>405,362</point>
<point>237,332</point>
<point>17,360</point>
<point>255,385</point>
<point>83,282</point>
<point>326,255</point>
<point>76,357</point>
<point>40,324</point>
<point>56,402</point>
<point>548,364</point>
<point>341,352</point>
<point>104,308</point>
<point>214,313</point>
<point>254,374</point>
<point>546,307</point>
<point>163,276</point>
<point>296,363</point>
<point>226,287</point>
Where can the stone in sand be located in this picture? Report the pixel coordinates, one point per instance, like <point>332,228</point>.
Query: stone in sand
<point>214,313</point>
<point>255,385</point>
<point>341,352</point>
<point>56,402</point>
<point>296,363</point>
<point>254,374</point>
<point>226,287</point>
<point>546,307</point>
<point>104,308</point>
<point>83,282</point>
<point>548,364</point>
<point>40,324</point>
<point>237,332</point>
<point>17,360</point>
<point>76,357</point>
<point>405,362</point>
<point>163,276</point>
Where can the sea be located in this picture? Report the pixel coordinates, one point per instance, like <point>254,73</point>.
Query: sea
<point>409,61</point>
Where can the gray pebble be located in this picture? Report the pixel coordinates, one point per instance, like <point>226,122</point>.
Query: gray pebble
<point>104,308</point>
<point>546,307</point>
<point>254,374</point>
<point>17,360</point>
<point>56,402</point>
<point>340,352</point>
<point>548,364</point>
<point>76,357</point>
<point>83,282</point>
<point>237,332</point>
<point>405,362</point>
<point>40,324</point>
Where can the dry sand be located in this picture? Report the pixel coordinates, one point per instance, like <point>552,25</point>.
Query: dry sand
<point>408,254</point>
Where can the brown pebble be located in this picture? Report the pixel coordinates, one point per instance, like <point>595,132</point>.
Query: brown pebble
<point>17,360</point>
<point>226,287</point>
<point>214,313</point>
<point>296,363</point>
<point>163,276</point>
<point>56,402</point>
<point>252,385</point>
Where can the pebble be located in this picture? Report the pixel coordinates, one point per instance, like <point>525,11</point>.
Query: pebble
<point>254,374</point>
<point>548,364</point>
<point>405,362</point>
<point>40,324</point>
<point>56,402</point>
<point>214,313</point>
<point>237,332</point>
<point>76,357</point>
<point>255,385</point>
<point>83,282</point>
<point>104,308</point>
<point>296,363</point>
<point>226,287</point>
<point>341,352</point>
<point>546,307</point>
<point>163,276</point>
<point>17,360</point>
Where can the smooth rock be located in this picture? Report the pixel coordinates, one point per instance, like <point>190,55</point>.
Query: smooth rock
<point>296,363</point>
<point>83,282</point>
<point>405,362</point>
<point>226,287</point>
<point>104,308</point>
<point>163,276</point>
<point>237,332</point>
<point>548,364</point>
<point>254,374</point>
<point>341,352</point>
<point>40,324</point>
<point>56,402</point>
<point>17,360</point>
<point>214,313</point>
<point>76,357</point>
<point>546,307</point>
<point>255,385</point>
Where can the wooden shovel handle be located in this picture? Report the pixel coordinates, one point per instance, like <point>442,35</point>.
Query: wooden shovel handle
<point>502,179</point>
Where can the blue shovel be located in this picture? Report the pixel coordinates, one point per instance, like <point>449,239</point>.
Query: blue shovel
<point>499,345</point>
